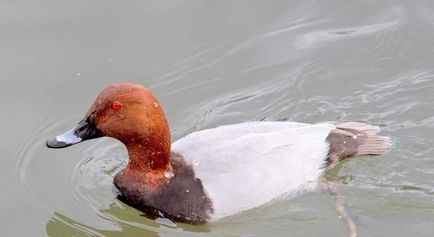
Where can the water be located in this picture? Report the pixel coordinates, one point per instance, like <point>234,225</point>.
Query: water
<point>213,63</point>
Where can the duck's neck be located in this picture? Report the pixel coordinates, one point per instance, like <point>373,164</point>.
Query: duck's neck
<point>149,153</point>
<point>149,162</point>
<point>149,158</point>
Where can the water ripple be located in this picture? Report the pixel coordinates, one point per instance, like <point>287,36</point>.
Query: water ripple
<point>318,38</point>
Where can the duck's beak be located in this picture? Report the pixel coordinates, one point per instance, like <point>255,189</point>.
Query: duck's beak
<point>83,131</point>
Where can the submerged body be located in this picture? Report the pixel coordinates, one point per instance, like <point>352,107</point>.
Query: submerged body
<point>219,172</point>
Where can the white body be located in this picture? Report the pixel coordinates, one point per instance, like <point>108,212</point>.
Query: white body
<point>243,166</point>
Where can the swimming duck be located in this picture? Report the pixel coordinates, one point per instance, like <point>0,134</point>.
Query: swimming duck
<point>218,172</point>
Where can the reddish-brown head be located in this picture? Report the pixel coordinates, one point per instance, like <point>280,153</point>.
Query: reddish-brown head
<point>131,114</point>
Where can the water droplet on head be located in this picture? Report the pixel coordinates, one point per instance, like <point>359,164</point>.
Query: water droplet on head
<point>187,190</point>
<point>168,174</point>
<point>156,105</point>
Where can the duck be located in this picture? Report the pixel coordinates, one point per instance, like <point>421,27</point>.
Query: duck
<point>217,172</point>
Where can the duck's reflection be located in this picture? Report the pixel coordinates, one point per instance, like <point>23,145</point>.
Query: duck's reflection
<point>126,221</point>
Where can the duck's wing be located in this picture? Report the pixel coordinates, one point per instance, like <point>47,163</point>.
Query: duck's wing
<point>245,165</point>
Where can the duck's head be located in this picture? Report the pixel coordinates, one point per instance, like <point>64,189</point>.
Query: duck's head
<point>127,112</point>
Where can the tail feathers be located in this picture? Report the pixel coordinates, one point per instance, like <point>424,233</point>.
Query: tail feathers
<point>370,143</point>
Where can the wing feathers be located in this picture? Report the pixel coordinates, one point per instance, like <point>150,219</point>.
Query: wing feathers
<point>246,165</point>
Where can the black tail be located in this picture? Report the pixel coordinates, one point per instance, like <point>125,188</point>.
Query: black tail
<point>352,139</point>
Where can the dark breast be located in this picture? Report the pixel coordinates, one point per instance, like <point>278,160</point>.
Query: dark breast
<point>182,199</point>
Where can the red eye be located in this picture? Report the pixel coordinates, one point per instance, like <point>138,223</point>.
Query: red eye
<point>116,106</point>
